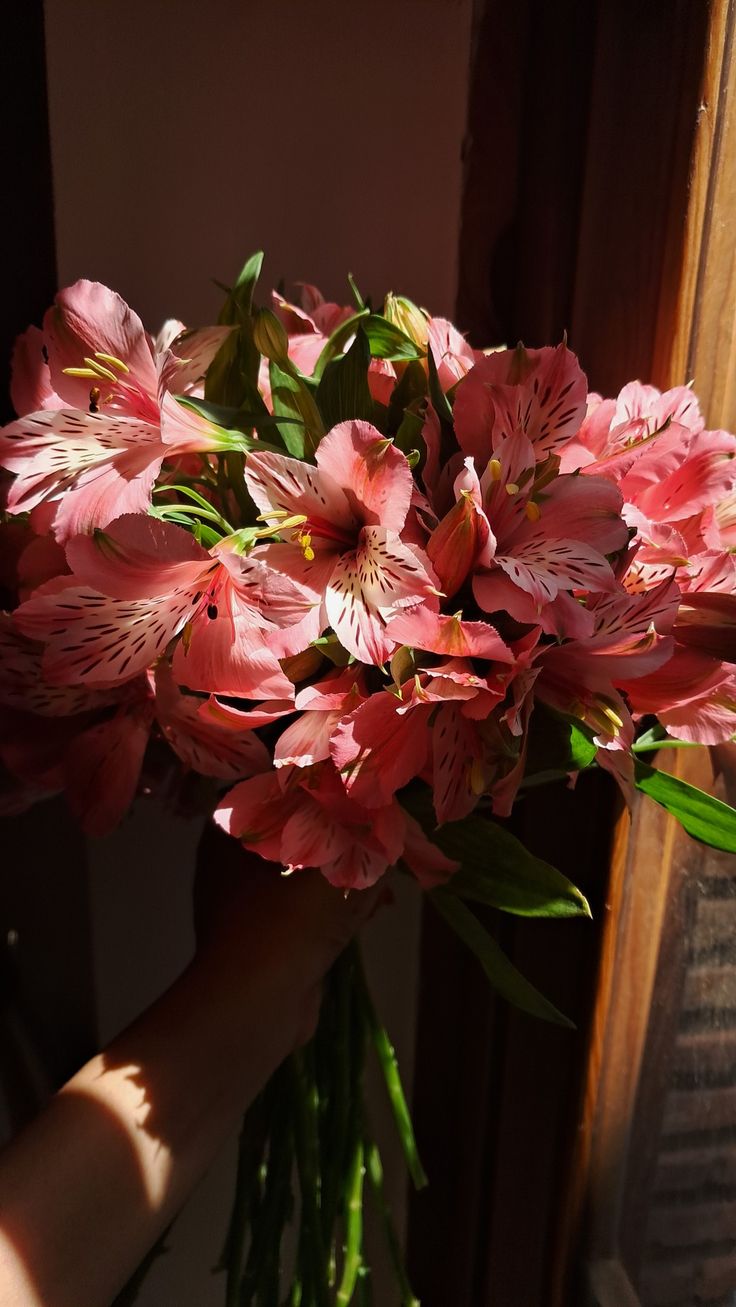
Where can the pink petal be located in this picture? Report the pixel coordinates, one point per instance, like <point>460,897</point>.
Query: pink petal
<point>382,574</point>
<point>452,354</point>
<point>454,745</point>
<point>307,740</point>
<point>585,508</point>
<point>373,473</point>
<point>97,640</point>
<point>192,352</point>
<point>201,742</point>
<point>542,567</point>
<point>139,557</point>
<point>539,391</point>
<point>290,486</point>
<point>88,318</point>
<point>237,720</point>
<point>102,769</point>
<point>255,812</point>
<point>22,683</point>
<point>422,629</point>
<point>226,654</point>
<point>30,387</point>
<point>377,751</point>
<point>429,864</point>
<point>99,466</point>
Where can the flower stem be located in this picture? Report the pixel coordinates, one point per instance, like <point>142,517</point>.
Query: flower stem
<point>374,1169</point>
<point>353,1228</point>
<point>311,1243</point>
<point>392,1077</point>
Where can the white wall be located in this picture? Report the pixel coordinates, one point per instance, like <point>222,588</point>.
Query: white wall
<point>184,136</point>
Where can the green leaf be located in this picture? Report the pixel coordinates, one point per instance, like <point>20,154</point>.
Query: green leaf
<point>705,818</point>
<point>232,376</point>
<point>501,972</point>
<point>303,428</point>
<point>497,869</point>
<point>387,341</point>
<point>247,279</point>
<point>358,300</point>
<point>558,745</point>
<point>334,344</point>
<point>408,437</point>
<point>440,402</point>
<point>343,392</point>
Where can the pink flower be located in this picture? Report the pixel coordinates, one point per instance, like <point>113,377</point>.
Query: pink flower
<point>389,739</point>
<point>354,505</point>
<point>310,325</point>
<point>136,587</point>
<point>90,388</point>
<point>320,707</point>
<point>539,392</point>
<point>548,537</point>
<point>307,820</point>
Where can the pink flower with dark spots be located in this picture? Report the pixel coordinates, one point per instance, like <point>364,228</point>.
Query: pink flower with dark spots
<point>353,506</point>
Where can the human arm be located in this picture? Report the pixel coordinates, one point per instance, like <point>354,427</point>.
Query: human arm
<point>96,1178</point>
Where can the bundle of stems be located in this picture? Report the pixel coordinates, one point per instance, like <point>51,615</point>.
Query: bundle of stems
<point>306,1159</point>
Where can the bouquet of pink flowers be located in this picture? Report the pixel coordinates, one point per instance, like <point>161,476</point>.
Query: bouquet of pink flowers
<point>373,584</point>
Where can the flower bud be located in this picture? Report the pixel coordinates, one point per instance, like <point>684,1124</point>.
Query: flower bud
<point>270,337</point>
<point>408,318</point>
<point>454,545</point>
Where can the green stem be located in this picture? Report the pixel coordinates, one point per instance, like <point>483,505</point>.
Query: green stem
<point>236,481</point>
<point>392,1077</point>
<point>250,1151</point>
<point>353,1228</point>
<point>375,1175</point>
<point>311,1243</point>
<point>264,1255</point>
<point>336,1122</point>
<point>191,510</point>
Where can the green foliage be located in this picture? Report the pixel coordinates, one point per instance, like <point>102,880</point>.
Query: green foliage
<point>343,391</point>
<point>232,377</point>
<point>502,973</point>
<point>705,818</point>
<point>558,745</point>
<point>497,869</point>
<point>302,429</point>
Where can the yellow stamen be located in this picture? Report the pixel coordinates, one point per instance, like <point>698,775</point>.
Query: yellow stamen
<point>512,488</point>
<point>612,717</point>
<point>81,372</point>
<point>494,468</point>
<point>273,512</point>
<point>100,370</point>
<point>533,511</point>
<point>305,540</point>
<point>111,359</point>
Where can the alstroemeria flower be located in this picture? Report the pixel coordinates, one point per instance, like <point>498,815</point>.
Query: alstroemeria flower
<point>305,819</point>
<point>136,587</point>
<point>547,538</point>
<point>90,389</point>
<point>539,392</point>
<point>389,739</point>
<point>354,505</point>
<point>308,325</point>
<point>320,707</point>
<point>94,350</point>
